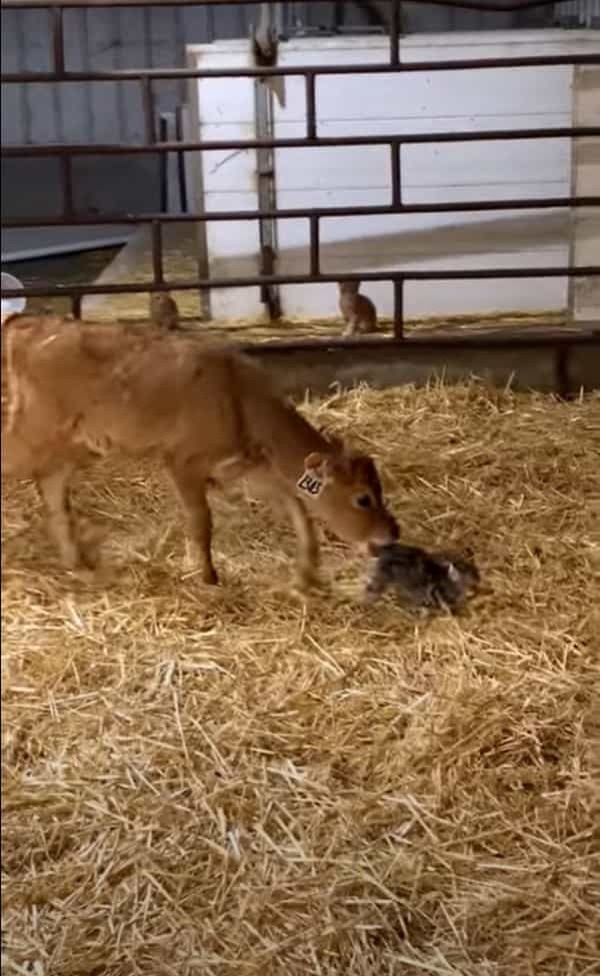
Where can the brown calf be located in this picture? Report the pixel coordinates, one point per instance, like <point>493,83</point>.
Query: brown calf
<point>76,390</point>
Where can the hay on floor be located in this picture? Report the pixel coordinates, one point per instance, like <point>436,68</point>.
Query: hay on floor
<point>240,781</point>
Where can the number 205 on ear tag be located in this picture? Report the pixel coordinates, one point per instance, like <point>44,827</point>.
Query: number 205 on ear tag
<point>310,485</point>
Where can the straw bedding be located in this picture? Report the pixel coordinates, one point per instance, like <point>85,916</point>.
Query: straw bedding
<point>244,781</point>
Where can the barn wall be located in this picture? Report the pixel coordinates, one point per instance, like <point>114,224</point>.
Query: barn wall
<point>135,37</point>
<point>388,103</point>
<point>109,112</point>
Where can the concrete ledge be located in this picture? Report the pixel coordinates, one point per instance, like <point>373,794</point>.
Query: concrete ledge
<point>584,368</point>
<point>554,364</point>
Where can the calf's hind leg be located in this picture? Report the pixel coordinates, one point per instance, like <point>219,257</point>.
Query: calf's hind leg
<point>53,487</point>
<point>191,485</point>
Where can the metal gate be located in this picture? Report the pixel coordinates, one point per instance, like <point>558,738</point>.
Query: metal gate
<point>158,145</point>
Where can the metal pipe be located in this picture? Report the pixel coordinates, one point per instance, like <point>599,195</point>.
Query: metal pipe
<point>455,206</point>
<point>252,71</point>
<point>399,308</point>
<point>148,108</point>
<point>163,163</point>
<point>472,274</point>
<point>395,176</point>
<point>311,106</point>
<point>229,145</point>
<point>58,43</point>
<point>495,7</point>
<point>157,254</point>
<point>394,33</point>
<point>66,177</point>
<point>183,200</point>
<point>315,246</point>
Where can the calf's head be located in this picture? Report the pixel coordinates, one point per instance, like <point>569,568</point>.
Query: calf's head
<point>344,490</point>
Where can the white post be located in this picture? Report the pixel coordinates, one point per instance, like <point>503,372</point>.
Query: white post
<point>584,293</point>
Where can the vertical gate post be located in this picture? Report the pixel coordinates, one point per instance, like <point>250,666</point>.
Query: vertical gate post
<point>265,48</point>
<point>584,292</point>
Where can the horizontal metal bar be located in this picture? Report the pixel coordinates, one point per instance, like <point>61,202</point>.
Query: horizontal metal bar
<point>496,7</point>
<point>252,71</point>
<point>228,145</point>
<point>291,213</point>
<point>471,274</point>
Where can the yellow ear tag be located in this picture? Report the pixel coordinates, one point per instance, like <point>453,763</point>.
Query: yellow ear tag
<point>310,485</point>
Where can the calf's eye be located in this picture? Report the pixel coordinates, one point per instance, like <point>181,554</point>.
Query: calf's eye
<point>364,501</point>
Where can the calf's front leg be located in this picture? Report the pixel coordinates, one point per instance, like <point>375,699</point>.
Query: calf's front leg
<point>307,560</point>
<point>269,484</point>
<point>192,486</point>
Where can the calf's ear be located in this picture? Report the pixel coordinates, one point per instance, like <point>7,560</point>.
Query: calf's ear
<point>317,464</point>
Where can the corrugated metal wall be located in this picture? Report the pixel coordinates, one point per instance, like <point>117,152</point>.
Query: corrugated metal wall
<point>136,37</point>
<point>96,112</point>
<point>101,39</point>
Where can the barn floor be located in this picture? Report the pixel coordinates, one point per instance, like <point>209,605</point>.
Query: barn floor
<point>241,781</point>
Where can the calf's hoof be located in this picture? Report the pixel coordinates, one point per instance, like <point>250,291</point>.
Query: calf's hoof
<point>85,574</point>
<point>81,562</point>
<point>367,598</point>
<point>210,577</point>
<point>307,579</point>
